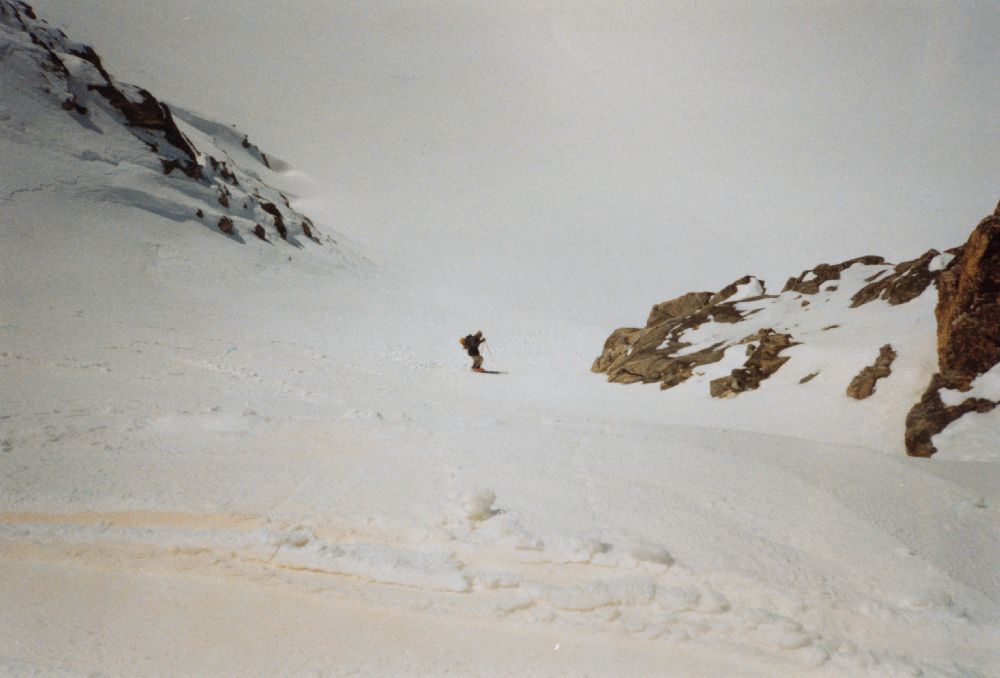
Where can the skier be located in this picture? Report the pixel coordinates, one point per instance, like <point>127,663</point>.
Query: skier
<point>471,344</point>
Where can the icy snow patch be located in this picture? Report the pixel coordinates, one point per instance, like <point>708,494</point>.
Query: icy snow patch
<point>972,438</point>
<point>940,262</point>
<point>597,594</point>
<point>435,570</point>
<point>754,288</point>
<point>986,385</point>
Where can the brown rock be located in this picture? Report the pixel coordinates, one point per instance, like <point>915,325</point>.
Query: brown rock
<point>906,283</point>
<point>761,364</point>
<point>141,109</point>
<point>681,306</point>
<point>258,231</point>
<point>725,313</point>
<point>968,334</point>
<point>649,354</point>
<point>226,225</point>
<point>222,168</point>
<point>615,346</point>
<point>279,221</point>
<point>824,272</point>
<point>930,416</point>
<point>730,289</point>
<point>863,384</point>
<point>968,310</point>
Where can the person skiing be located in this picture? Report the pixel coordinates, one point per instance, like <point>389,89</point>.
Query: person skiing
<point>471,344</point>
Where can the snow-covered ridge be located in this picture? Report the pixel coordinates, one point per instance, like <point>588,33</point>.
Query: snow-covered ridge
<point>732,338</point>
<point>218,178</point>
<point>838,331</point>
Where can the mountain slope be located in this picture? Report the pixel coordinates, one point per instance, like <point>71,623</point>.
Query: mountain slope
<point>857,329</point>
<point>71,106</point>
<point>226,459</point>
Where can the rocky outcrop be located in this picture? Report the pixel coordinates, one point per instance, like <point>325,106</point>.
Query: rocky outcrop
<point>685,336</point>
<point>863,385</point>
<point>75,78</point>
<point>968,310</point>
<point>689,303</point>
<point>140,109</point>
<point>616,347</point>
<point>307,228</point>
<point>906,283</point>
<point>930,416</point>
<point>810,281</point>
<point>279,220</point>
<point>763,361</point>
<point>656,353</point>
<point>968,335</point>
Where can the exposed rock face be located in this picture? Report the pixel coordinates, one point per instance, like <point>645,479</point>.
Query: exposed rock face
<point>809,282</point>
<point>675,308</point>
<point>616,347</point>
<point>685,336</point>
<point>226,225</point>
<point>656,353</point>
<point>141,110</point>
<point>279,221</point>
<point>906,283</point>
<point>307,228</point>
<point>930,416</point>
<point>762,362</point>
<point>968,334</point>
<point>863,385</point>
<point>968,310</point>
<point>258,231</point>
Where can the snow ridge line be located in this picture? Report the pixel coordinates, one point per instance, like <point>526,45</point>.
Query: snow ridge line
<point>577,582</point>
<point>484,564</point>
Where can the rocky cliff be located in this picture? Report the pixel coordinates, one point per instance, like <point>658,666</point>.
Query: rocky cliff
<point>735,339</point>
<point>968,336</point>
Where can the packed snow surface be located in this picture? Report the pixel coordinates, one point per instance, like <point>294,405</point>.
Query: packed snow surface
<point>224,458</point>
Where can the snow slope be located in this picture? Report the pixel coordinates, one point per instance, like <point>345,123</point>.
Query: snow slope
<point>225,458</point>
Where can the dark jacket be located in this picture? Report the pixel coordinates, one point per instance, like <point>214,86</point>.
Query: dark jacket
<point>472,345</point>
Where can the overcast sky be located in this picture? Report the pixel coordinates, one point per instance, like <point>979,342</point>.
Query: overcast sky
<point>599,156</point>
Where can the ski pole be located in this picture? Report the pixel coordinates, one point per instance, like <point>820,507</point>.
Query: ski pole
<point>492,359</point>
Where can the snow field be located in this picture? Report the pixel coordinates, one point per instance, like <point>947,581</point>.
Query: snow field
<point>227,457</point>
